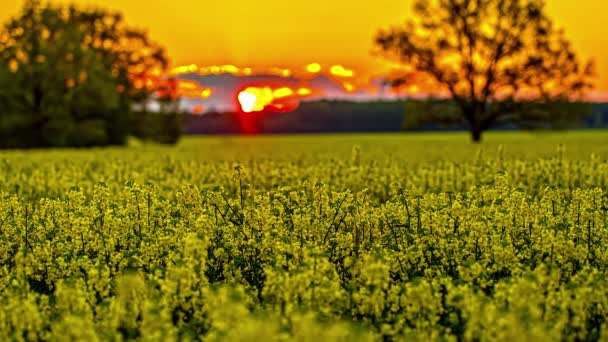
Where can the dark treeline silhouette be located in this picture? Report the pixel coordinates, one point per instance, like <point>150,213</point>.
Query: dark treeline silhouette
<point>311,117</point>
<point>526,115</point>
<point>80,77</point>
<point>495,59</point>
<point>388,116</point>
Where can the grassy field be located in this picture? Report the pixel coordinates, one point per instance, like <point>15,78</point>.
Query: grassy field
<point>318,237</point>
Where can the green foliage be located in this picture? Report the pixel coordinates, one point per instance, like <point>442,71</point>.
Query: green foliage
<point>164,128</point>
<point>61,69</point>
<point>307,238</point>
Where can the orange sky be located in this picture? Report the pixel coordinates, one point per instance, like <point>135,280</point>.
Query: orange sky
<point>292,34</point>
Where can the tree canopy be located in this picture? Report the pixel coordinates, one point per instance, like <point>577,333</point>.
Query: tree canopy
<point>71,76</point>
<point>495,59</point>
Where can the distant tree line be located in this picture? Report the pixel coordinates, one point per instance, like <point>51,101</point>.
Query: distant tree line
<point>527,115</point>
<point>81,77</point>
<point>328,116</point>
<point>325,116</point>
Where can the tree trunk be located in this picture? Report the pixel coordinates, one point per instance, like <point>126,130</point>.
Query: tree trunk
<point>473,114</point>
<point>476,132</point>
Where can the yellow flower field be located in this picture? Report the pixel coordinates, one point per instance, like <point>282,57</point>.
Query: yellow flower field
<point>309,238</point>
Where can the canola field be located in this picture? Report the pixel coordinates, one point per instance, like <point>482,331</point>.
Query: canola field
<point>415,237</point>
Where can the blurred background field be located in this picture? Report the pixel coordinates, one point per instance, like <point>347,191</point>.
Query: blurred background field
<point>412,146</point>
<point>343,161</point>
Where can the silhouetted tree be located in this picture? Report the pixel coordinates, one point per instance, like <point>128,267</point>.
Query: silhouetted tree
<point>70,77</point>
<point>496,59</point>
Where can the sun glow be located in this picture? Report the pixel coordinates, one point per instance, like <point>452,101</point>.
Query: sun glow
<point>338,70</point>
<point>313,68</point>
<point>349,87</point>
<point>205,93</point>
<point>282,92</point>
<point>304,91</point>
<point>274,88</point>
<point>211,69</point>
<point>265,98</point>
<point>249,101</point>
